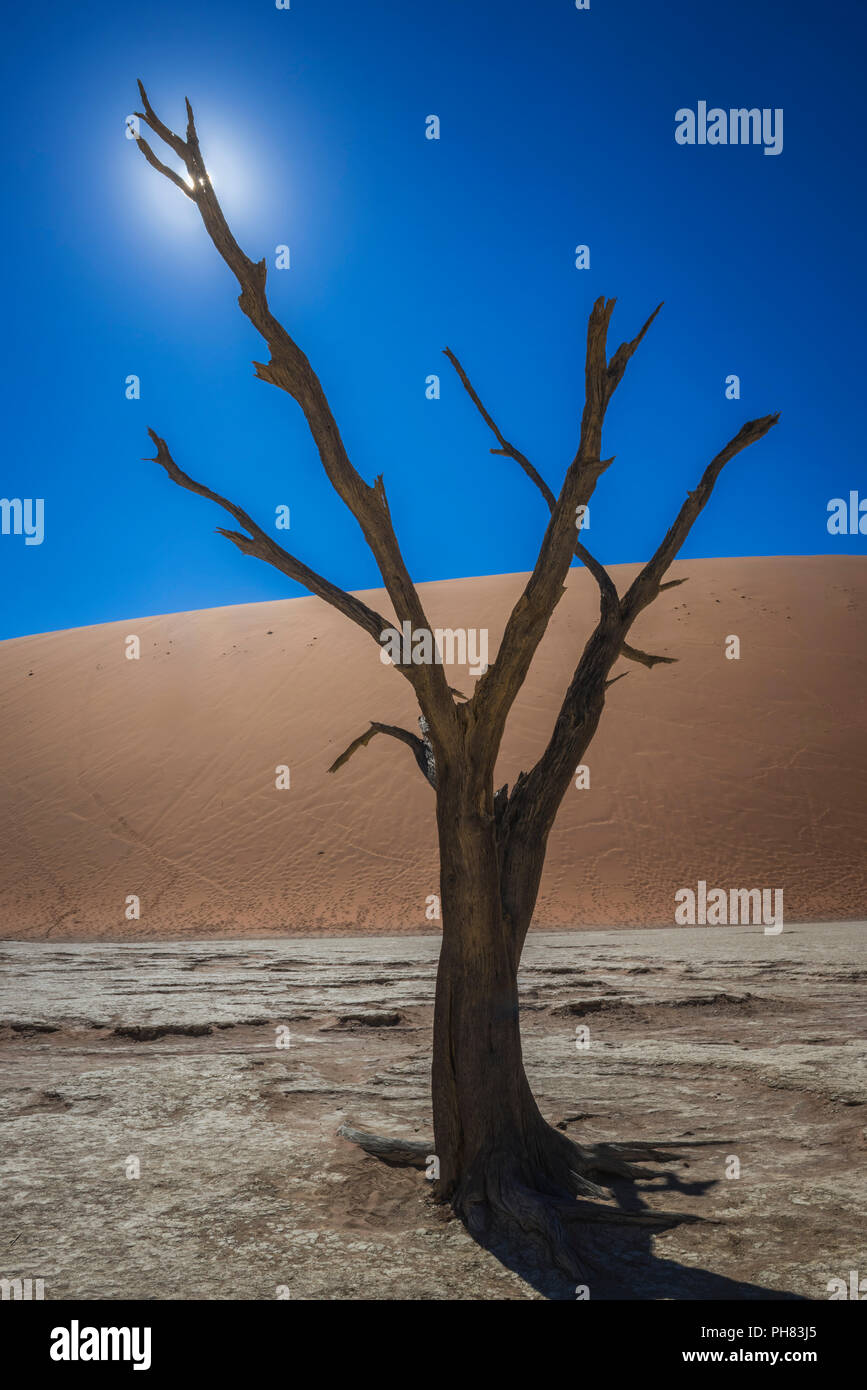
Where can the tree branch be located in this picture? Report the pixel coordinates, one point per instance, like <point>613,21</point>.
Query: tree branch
<point>579,713</point>
<point>259,544</point>
<point>620,361</point>
<point>608,590</point>
<point>537,795</point>
<point>163,168</point>
<point>496,690</point>
<point>421,749</point>
<point>610,601</point>
<point>633,654</point>
<point>290,370</point>
<point>506,449</point>
<point>645,587</point>
<point>184,149</point>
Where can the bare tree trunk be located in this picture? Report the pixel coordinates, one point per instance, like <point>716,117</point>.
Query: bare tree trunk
<point>502,1167</point>
<point>478,1098</point>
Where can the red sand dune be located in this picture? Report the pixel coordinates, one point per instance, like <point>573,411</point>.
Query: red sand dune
<point>156,777</point>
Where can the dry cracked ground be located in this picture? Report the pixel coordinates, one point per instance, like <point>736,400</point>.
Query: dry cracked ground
<point>724,1042</point>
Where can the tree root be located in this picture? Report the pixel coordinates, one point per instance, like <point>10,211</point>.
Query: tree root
<point>398,1153</point>
<point>539,1199</point>
<point>507,1215</point>
<point>615,1159</point>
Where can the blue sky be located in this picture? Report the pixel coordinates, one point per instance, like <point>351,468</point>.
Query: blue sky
<point>557,128</point>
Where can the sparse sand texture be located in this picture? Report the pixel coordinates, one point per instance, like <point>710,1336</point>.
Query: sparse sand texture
<point>156,777</point>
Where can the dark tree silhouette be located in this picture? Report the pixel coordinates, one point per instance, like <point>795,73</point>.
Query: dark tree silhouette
<point>506,1172</point>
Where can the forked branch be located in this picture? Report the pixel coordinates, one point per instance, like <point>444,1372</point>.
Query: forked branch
<point>537,796</point>
<point>421,749</point>
<point>290,370</point>
<point>496,690</point>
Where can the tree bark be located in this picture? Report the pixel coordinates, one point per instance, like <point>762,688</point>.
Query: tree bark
<point>478,1099</point>
<point>502,1167</point>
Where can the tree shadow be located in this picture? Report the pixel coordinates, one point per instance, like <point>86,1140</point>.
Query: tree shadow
<point>620,1263</point>
<point>617,1261</point>
<point>622,1266</point>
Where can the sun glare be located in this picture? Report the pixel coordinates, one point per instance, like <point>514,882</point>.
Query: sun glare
<point>234,183</point>
<point>191,182</point>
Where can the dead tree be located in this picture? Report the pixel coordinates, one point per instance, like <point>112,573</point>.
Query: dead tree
<point>506,1172</point>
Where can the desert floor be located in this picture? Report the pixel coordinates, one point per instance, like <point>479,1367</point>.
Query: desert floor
<point>167,1052</point>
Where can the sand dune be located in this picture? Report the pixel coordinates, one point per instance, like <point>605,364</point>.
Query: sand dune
<point>156,777</point>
